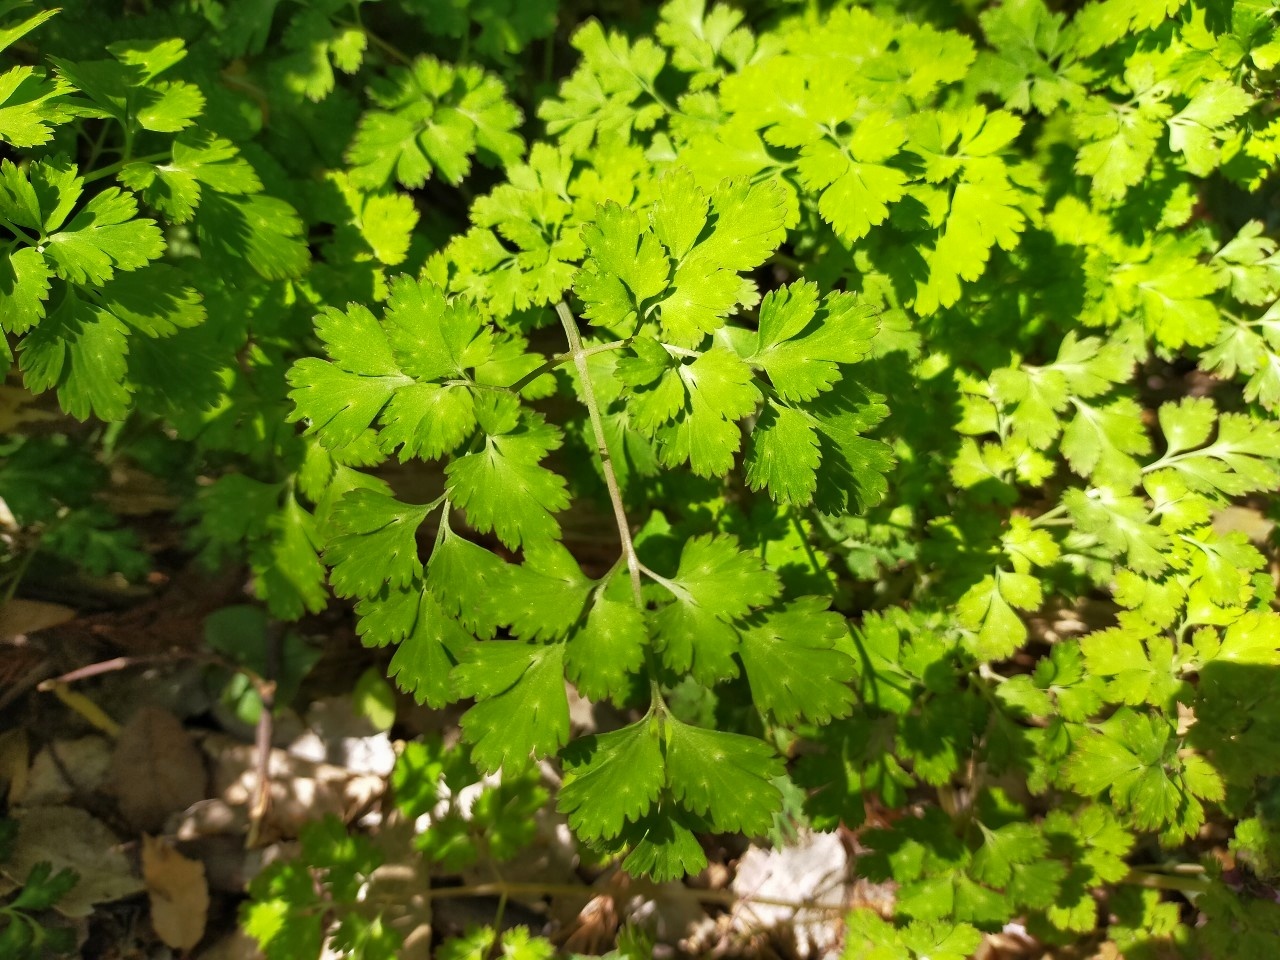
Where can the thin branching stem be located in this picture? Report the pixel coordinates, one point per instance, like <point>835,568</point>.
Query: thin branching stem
<point>579,354</point>
<point>562,358</point>
<point>1140,877</point>
<point>113,169</point>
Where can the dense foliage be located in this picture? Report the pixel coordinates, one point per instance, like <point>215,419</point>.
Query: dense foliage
<point>852,395</point>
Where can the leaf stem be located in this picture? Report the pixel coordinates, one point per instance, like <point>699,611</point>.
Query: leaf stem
<point>513,889</point>
<point>723,897</point>
<point>97,145</point>
<point>579,354</point>
<point>658,578</point>
<point>20,233</point>
<point>563,358</point>
<point>1049,517</point>
<point>1183,883</point>
<point>114,168</point>
<point>395,53</point>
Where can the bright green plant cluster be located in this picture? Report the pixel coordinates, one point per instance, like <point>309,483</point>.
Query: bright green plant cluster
<point>335,892</point>
<point>191,186</point>
<point>23,935</point>
<point>859,397</point>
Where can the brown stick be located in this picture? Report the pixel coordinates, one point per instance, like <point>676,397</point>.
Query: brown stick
<point>261,803</point>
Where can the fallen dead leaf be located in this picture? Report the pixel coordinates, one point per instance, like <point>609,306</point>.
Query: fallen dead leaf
<point>84,760</point>
<point>812,870</point>
<point>669,914</point>
<point>20,617</point>
<point>301,790</point>
<point>234,946</point>
<point>1247,520</point>
<point>18,406</point>
<point>340,735</point>
<point>134,492</point>
<point>70,837</point>
<point>14,757</point>
<point>178,892</point>
<point>156,769</point>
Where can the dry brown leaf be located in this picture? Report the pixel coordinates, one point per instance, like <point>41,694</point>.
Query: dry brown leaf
<point>1240,519</point>
<point>62,769</point>
<point>236,945</point>
<point>301,790</point>
<point>14,758</point>
<point>156,769</point>
<point>20,617</point>
<point>69,837</point>
<point>18,406</point>
<point>134,492</point>
<point>178,892</point>
<point>812,870</point>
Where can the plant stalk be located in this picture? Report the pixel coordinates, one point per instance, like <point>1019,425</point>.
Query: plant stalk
<point>580,355</point>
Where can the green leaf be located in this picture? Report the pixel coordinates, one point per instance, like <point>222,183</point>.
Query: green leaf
<point>373,543</point>
<point>598,101</point>
<point>1135,760</point>
<point>30,105</point>
<point>800,346</point>
<point>612,779</point>
<point>702,40</point>
<point>42,196</point>
<point>987,608</point>
<point>169,106</point>
<point>1120,139</point>
<point>869,937</point>
<point>851,476</point>
<point>261,231</point>
<point>522,713</point>
<point>286,566</point>
<point>797,662</point>
<point>1100,442</point>
<point>1085,368</point>
<point>466,577</point>
<point>80,349</point>
<point>1140,666</point>
<point>857,185</point>
<point>102,238</point>
<point>630,273</point>
<point>1198,129</point>
<point>1252,639</point>
<point>504,488</point>
<point>374,700</point>
<point>13,32</point>
<point>517,944</point>
<point>525,246</point>
<point>725,777</point>
<point>433,338</point>
<point>546,595</point>
<point>716,583</point>
<point>43,887</point>
<point>154,301</point>
<point>625,268</point>
<point>341,399</point>
<point>663,846</point>
<point>434,117</point>
<point>428,650</point>
<point>1123,524</point>
<point>610,646</point>
<point>24,286</point>
<point>1241,459</point>
<point>1029,65</point>
<point>719,391</point>
<point>1004,849</point>
<point>198,161</point>
<point>784,454</point>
